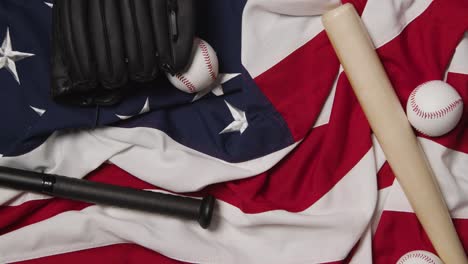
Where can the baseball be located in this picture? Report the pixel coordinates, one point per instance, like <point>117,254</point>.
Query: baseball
<point>434,108</point>
<point>201,72</point>
<point>419,257</point>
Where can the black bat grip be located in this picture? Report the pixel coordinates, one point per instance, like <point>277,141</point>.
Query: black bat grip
<point>106,194</point>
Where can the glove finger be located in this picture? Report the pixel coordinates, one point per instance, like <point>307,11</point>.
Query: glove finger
<point>174,30</point>
<point>72,76</point>
<point>60,79</point>
<point>107,42</point>
<point>139,43</point>
<point>71,38</point>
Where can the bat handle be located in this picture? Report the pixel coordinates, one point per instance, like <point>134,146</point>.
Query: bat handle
<point>200,210</point>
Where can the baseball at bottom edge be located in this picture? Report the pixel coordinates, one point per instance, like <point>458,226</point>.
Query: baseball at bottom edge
<point>419,257</point>
<point>201,72</point>
<point>434,108</point>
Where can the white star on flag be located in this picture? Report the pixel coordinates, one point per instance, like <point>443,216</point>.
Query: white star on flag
<point>145,109</point>
<point>8,56</point>
<point>39,111</point>
<point>240,122</point>
<point>217,88</point>
<point>49,4</point>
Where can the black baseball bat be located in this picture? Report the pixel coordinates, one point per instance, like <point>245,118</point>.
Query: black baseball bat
<point>200,210</point>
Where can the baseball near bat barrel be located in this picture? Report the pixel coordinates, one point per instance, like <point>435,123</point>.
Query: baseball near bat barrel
<point>388,121</point>
<point>200,210</point>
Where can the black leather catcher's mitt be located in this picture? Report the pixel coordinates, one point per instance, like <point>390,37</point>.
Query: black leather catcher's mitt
<point>99,47</point>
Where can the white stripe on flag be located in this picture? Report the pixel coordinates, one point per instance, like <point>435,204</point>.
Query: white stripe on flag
<point>269,36</point>
<point>386,19</point>
<point>147,153</point>
<point>459,62</point>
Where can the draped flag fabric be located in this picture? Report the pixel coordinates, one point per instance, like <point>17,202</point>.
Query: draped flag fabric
<point>280,141</point>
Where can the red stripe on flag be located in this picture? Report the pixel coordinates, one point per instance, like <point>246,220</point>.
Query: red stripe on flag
<point>299,85</point>
<point>111,174</point>
<point>385,177</point>
<point>114,254</point>
<point>15,217</point>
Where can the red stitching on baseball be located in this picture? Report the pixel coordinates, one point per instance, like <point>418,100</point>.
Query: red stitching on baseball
<point>206,57</point>
<point>416,256</point>
<point>186,82</point>
<point>431,115</point>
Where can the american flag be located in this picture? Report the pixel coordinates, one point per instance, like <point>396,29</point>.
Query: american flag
<point>280,141</point>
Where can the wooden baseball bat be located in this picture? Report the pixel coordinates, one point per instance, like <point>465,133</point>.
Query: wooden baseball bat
<point>390,125</point>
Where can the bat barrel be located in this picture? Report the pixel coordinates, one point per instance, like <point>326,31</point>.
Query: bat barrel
<point>200,210</point>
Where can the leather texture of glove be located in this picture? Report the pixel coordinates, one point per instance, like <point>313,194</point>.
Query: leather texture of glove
<point>101,47</point>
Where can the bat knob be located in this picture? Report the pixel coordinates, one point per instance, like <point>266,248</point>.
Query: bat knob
<point>206,211</point>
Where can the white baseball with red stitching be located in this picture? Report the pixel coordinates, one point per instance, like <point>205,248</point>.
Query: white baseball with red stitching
<point>201,72</point>
<point>434,108</point>
<point>419,257</point>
